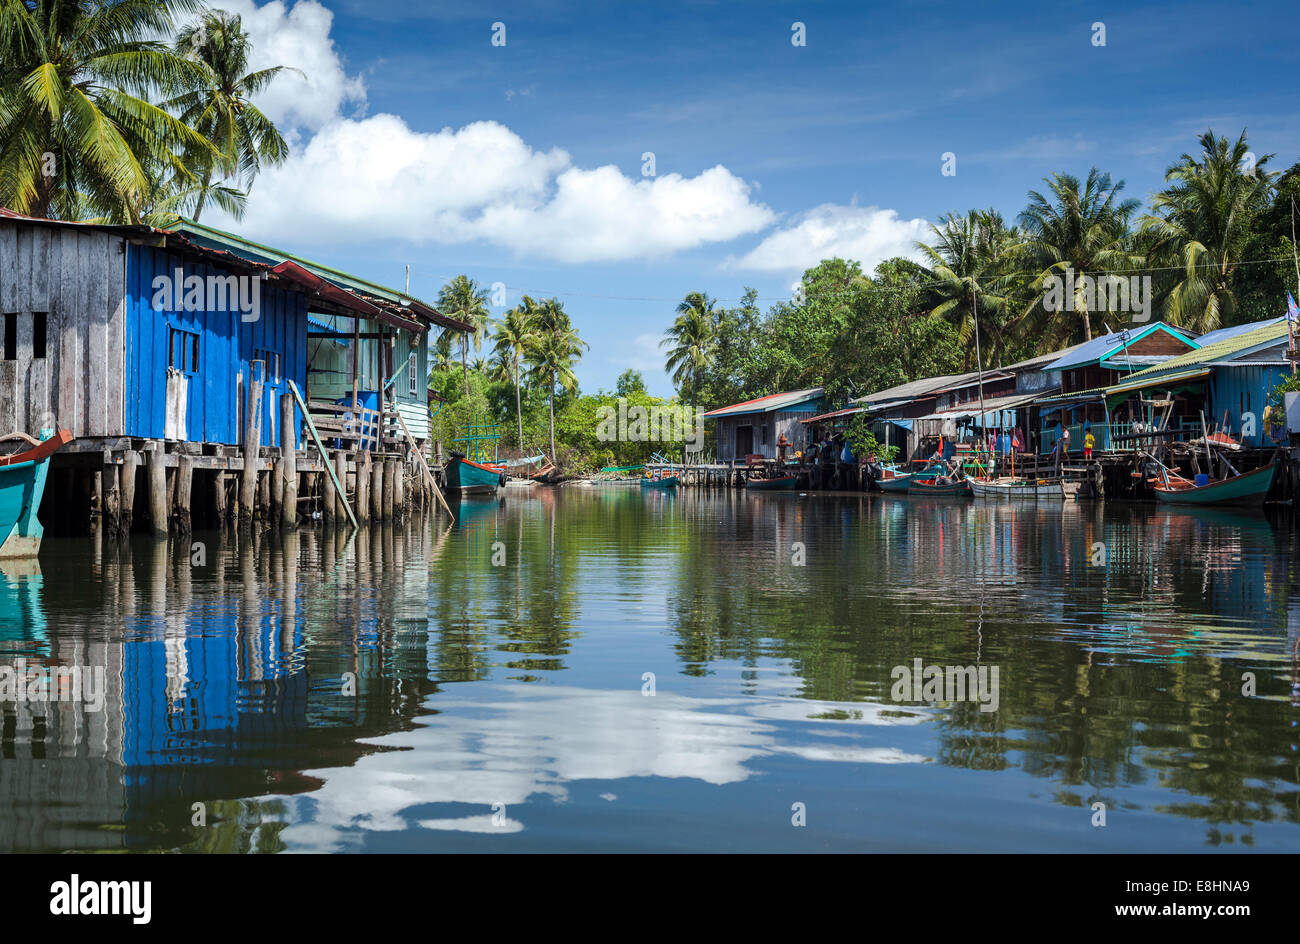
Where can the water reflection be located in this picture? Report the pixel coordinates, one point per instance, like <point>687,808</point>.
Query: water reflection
<point>427,686</point>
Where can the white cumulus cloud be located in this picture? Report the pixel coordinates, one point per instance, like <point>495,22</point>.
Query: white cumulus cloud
<point>353,178</point>
<point>868,235</point>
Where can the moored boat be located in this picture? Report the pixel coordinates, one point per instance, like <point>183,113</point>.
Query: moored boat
<point>1249,488</point>
<point>784,483</point>
<point>665,481</point>
<point>473,478</point>
<point>1022,489</point>
<point>940,487</point>
<point>22,483</point>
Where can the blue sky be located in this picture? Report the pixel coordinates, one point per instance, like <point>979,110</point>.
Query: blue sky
<point>418,141</point>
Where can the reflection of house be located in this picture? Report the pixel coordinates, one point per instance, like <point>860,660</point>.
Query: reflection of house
<point>753,427</point>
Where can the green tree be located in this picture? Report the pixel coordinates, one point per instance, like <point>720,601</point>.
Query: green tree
<point>1084,228</point>
<point>462,299</point>
<point>512,337</point>
<point>629,383</point>
<point>78,135</point>
<point>1202,222</point>
<point>554,349</point>
<point>968,259</point>
<point>690,342</point>
<point>217,102</point>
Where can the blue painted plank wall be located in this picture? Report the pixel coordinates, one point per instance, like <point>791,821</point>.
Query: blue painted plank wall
<point>226,349</point>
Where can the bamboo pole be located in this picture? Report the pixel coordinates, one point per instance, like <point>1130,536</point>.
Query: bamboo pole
<point>315,436</point>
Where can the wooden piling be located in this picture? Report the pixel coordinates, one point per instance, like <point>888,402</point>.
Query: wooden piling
<point>328,502</point>
<point>399,489</point>
<point>184,486</point>
<point>341,496</point>
<point>390,487</point>
<point>363,486</point>
<point>157,490</point>
<point>377,490</point>
<point>112,496</point>
<point>252,444</point>
<point>219,496</point>
<point>289,461</point>
<point>126,478</point>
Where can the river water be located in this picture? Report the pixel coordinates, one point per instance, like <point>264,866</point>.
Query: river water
<point>601,669</point>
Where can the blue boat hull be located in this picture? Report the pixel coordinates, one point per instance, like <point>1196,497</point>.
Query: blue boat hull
<point>21,486</point>
<point>470,478</point>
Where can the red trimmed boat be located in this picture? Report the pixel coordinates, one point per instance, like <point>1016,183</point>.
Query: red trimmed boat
<point>473,478</point>
<point>22,483</point>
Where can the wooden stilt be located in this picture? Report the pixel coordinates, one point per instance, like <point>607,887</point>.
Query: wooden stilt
<point>289,461</point>
<point>377,490</point>
<point>126,478</point>
<point>341,494</point>
<point>112,496</point>
<point>329,503</point>
<point>157,490</point>
<point>219,496</point>
<point>252,449</point>
<point>363,486</point>
<point>390,487</point>
<point>399,489</point>
<point>184,485</point>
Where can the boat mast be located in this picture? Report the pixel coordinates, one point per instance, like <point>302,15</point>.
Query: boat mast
<point>979,360</point>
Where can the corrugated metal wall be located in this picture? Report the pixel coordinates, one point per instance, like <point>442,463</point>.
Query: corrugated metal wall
<point>214,409</point>
<point>72,279</point>
<point>1243,389</point>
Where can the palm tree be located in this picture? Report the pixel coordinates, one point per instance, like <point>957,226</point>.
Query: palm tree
<point>554,348</point>
<point>1202,222</point>
<point>968,263</point>
<point>78,136</point>
<point>217,104</point>
<point>462,299</point>
<point>692,336</point>
<point>513,335</point>
<point>1086,230</point>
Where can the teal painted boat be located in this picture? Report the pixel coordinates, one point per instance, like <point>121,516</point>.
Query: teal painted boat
<point>896,481</point>
<point>930,488</point>
<point>22,483</point>
<point>784,484</point>
<point>667,481</point>
<point>473,478</point>
<point>1247,489</point>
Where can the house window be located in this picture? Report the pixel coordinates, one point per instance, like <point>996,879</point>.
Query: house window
<point>10,336</point>
<point>412,368</point>
<point>183,350</point>
<point>764,435</point>
<point>38,333</point>
<point>270,364</point>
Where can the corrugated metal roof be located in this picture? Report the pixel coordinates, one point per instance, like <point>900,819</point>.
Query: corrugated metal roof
<point>1223,334</point>
<point>1039,361</point>
<point>1135,381</point>
<point>828,416</point>
<point>1098,349</point>
<point>774,401</point>
<point>1223,349</point>
<point>991,405</point>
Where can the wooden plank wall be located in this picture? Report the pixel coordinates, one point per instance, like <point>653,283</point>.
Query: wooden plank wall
<point>76,277</point>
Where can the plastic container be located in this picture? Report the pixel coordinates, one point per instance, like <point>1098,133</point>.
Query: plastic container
<point>1202,479</point>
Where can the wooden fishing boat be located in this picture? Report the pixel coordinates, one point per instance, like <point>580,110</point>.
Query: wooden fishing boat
<point>1246,489</point>
<point>473,478</point>
<point>1022,489</point>
<point>784,483</point>
<point>896,480</point>
<point>934,488</point>
<point>664,481</point>
<point>22,483</point>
